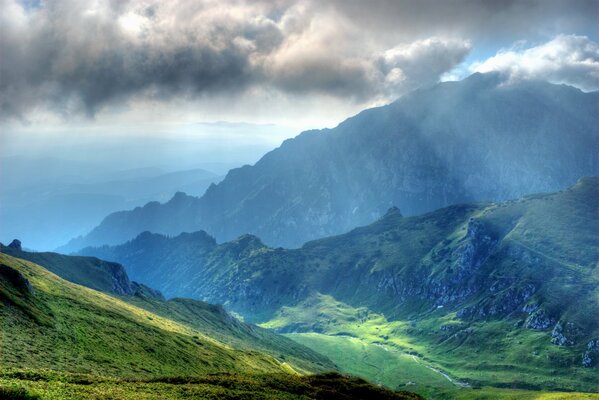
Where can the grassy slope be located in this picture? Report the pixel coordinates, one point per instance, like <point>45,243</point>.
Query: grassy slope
<point>213,321</point>
<point>87,271</point>
<point>393,368</point>
<point>71,328</point>
<point>76,342</point>
<point>399,270</point>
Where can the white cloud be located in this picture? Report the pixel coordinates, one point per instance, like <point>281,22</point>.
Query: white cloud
<point>422,62</point>
<point>75,58</point>
<point>569,59</point>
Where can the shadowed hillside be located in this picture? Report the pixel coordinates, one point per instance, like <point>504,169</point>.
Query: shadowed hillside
<point>453,285</point>
<point>474,140</point>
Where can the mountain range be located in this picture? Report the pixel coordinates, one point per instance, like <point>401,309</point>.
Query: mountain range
<point>480,139</point>
<point>514,283</point>
<point>47,200</point>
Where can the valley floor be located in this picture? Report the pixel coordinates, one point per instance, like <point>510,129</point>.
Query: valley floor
<point>393,368</point>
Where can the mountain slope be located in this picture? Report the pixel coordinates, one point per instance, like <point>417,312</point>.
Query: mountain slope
<point>474,140</point>
<point>161,261</point>
<point>61,341</point>
<point>210,319</point>
<point>439,284</point>
<point>51,323</point>
<point>91,272</point>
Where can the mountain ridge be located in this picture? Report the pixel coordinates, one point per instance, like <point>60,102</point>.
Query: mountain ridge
<point>430,281</point>
<point>474,140</point>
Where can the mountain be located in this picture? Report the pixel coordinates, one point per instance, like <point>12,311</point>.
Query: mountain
<point>63,340</point>
<point>479,139</point>
<point>47,201</point>
<point>465,283</point>
<point>91,272</point>
<point>161,261</point>
<point>109,335</point>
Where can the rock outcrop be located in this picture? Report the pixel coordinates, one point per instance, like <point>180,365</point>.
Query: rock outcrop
<point>15,279</point>
<point>565,334</point>
<point>590,358</point>
<point>15,244</point>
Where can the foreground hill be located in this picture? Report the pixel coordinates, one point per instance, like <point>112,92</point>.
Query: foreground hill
<point>51,323</point>
<point>75,341</point>
<point>91,272</point>
<point>499,293</point>
<point>474,140</point>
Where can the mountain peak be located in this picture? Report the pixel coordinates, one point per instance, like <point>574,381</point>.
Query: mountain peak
<point>451,143</point>
<point>179,196</point>
<point>15,244</point>
<point>249,240</point>
<point>392,212</point>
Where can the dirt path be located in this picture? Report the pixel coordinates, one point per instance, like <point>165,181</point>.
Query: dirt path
<point>449,378</point>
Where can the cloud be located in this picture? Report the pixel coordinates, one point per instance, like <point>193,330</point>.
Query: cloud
<point>329,56</point>
<point>569,59</point>
<point>78,56</point>
<point>72,57</point>
<point>422,62</point>
<point>482,21</point>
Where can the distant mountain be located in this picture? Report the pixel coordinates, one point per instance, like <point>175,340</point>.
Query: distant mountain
<point>442,284</point>
<point>47,208</point>
<point>160,261</point>
<point>476,140</point>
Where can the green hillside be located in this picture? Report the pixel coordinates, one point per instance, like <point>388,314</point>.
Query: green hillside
<point>498,294</point>
<point>59,340</point>
<point>91,272</point>
<point>48,322</point>
<point>28,385</point>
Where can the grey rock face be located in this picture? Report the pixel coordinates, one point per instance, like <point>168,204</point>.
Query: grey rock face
<point>590,357</point>
<point>120,281</point>
<point>476,248</point>
<point>565,334</point>
<point>539,320</point>
<point>504,303</point>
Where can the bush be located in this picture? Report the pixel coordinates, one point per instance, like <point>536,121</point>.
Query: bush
<point>16,393</point>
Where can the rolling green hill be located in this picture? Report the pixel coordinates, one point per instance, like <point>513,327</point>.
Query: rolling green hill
<point>61,340</point>
<point>501,294</point>
<point>48,322</point>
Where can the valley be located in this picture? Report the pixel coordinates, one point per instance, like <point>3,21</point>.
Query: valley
<point>476,292</point>
<point>394,368</point>
<point>78,342</point>
<point>299,200</point>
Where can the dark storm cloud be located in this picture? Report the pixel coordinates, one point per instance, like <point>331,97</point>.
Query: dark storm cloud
<point>486,20</point>
<point>73,56</point>
<point>75,62</point>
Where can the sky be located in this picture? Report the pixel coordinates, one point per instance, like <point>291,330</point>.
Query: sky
<point>72,70</point>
